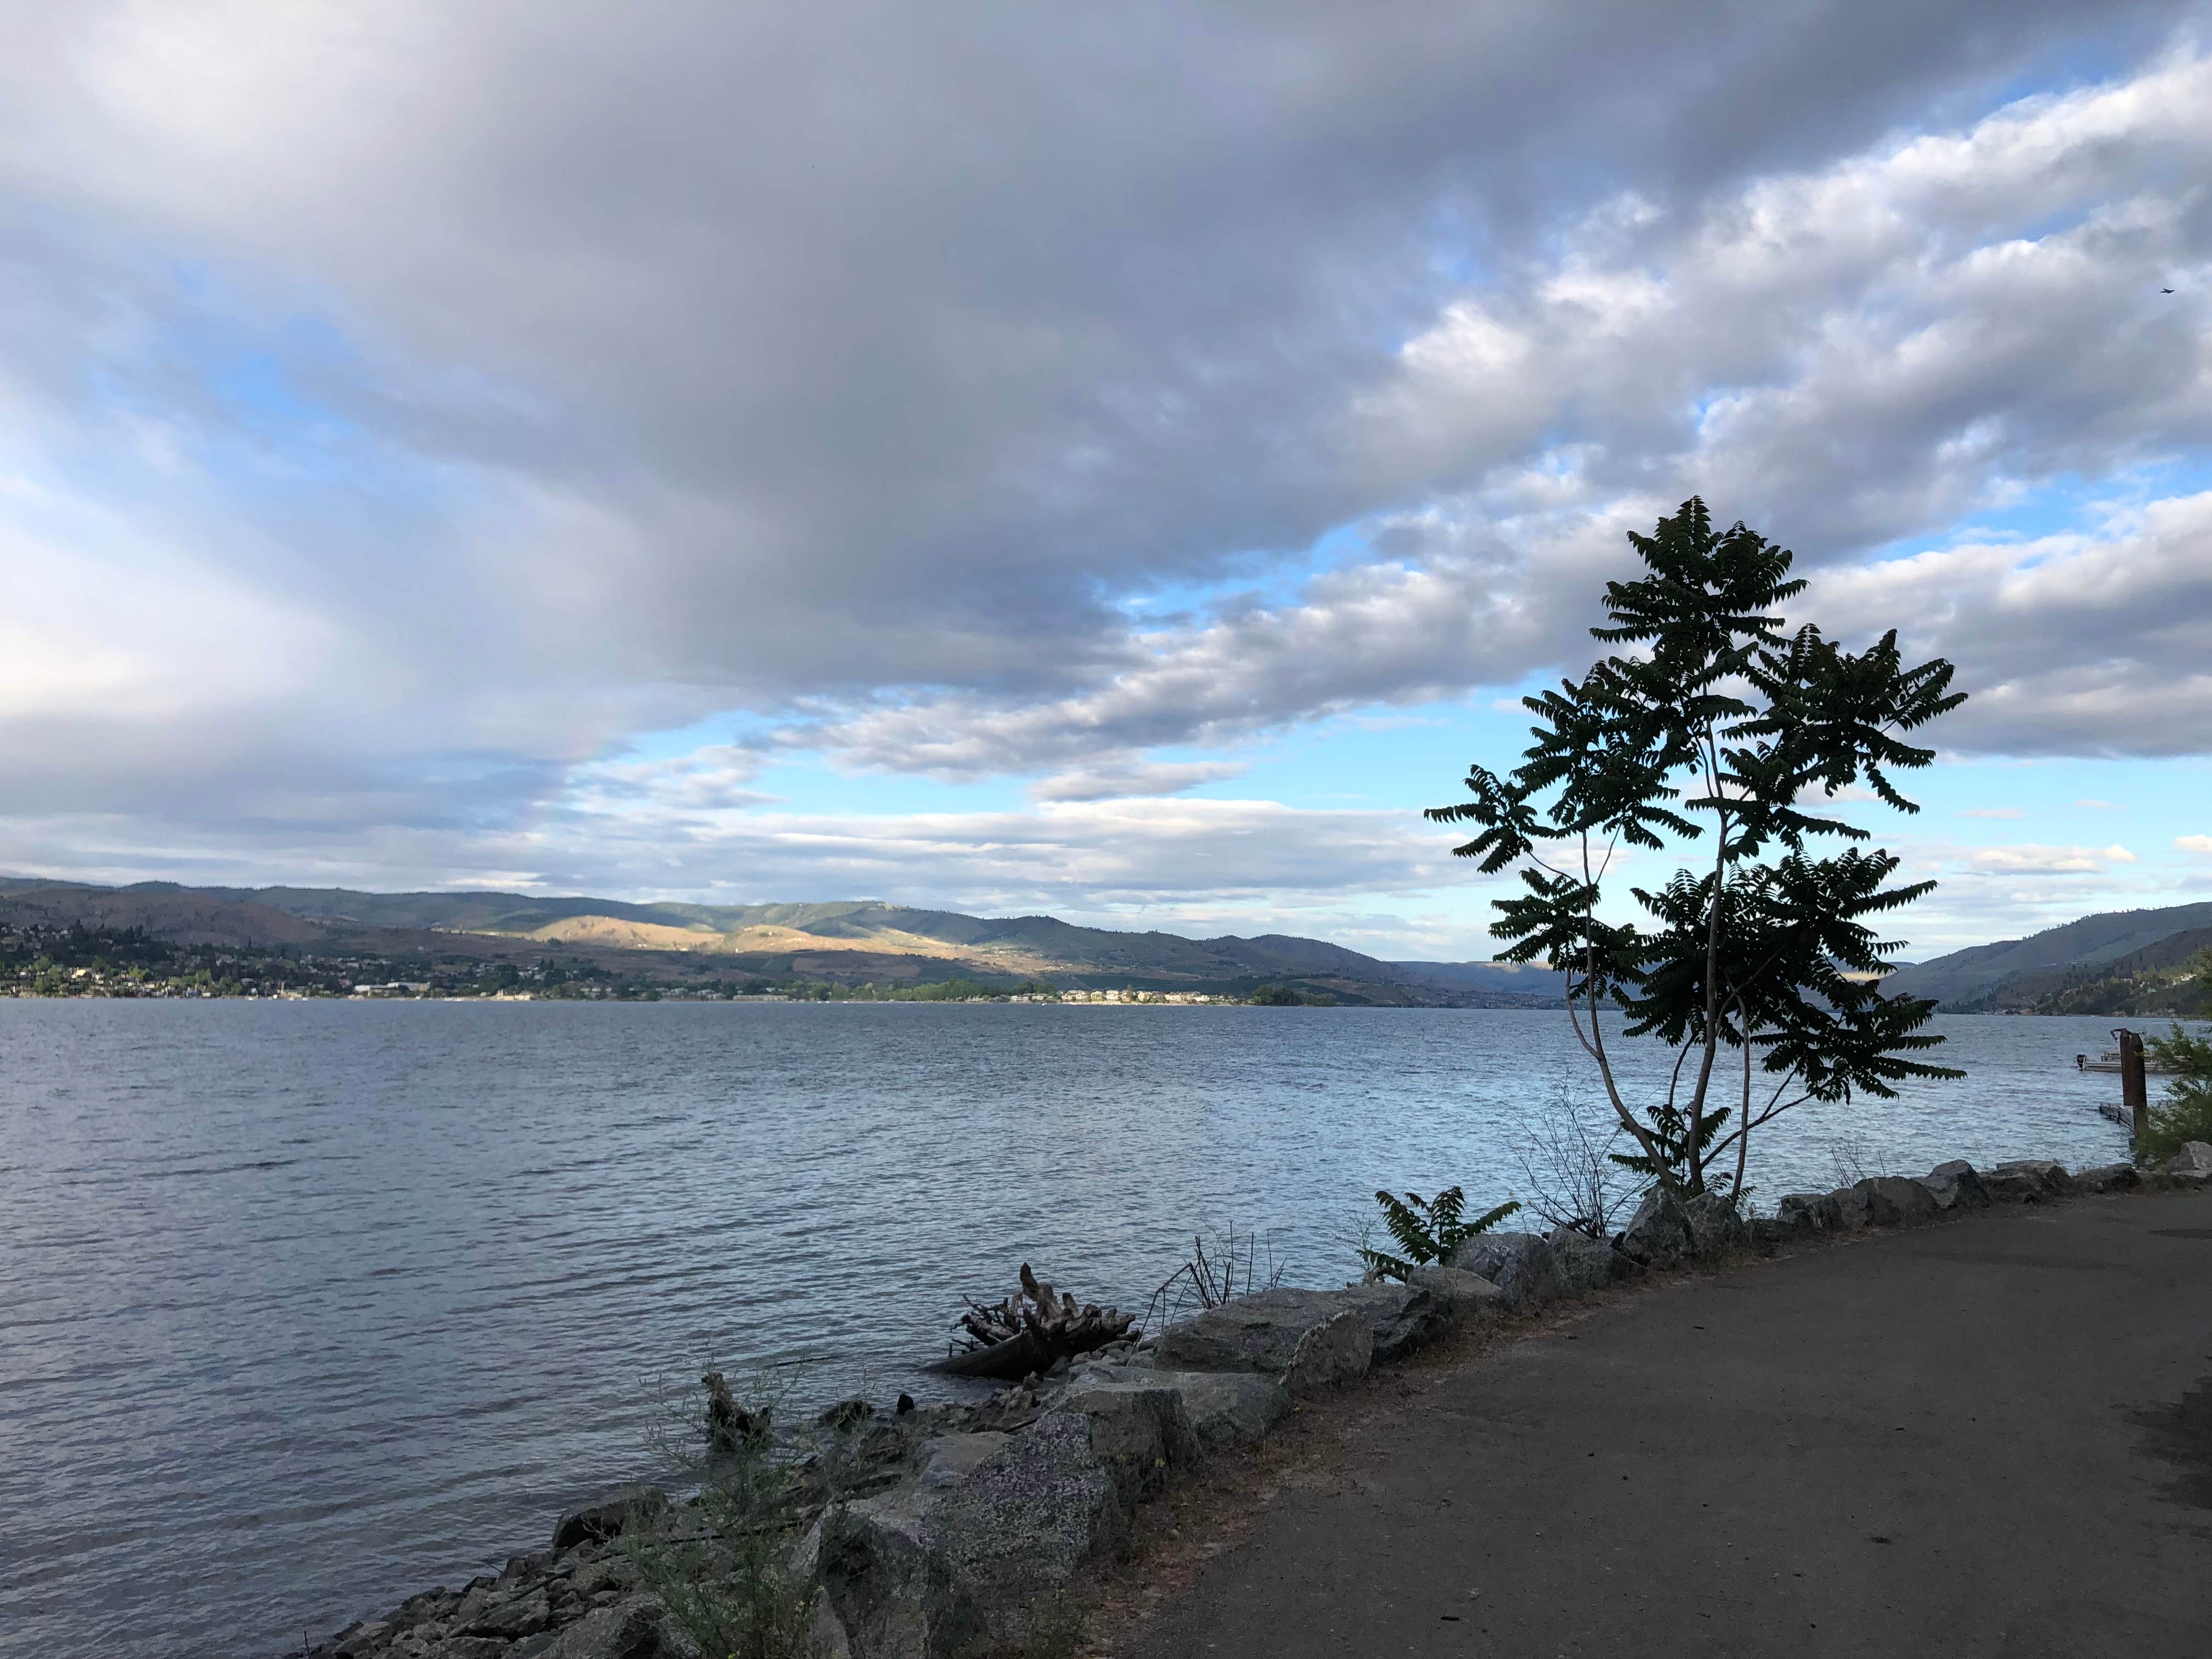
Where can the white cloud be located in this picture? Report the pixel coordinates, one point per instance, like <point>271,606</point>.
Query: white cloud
<point>2068,644</point>
<point>1131,855</point>
<point>2101,805</point>
<point>2193,843</point>
<point>1155,778</point>
<point>2033,861</point>
<point>710,779</point>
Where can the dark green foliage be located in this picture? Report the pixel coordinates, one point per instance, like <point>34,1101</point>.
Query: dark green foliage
<point>2171,977</point>
<point>1426,1229</point>
<point>1284,996</point>
<point>2185,1112</point>
<point>944,990</point>
<point>1716,722</point>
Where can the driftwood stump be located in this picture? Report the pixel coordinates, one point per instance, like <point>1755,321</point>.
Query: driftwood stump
<point>1031,1330</point>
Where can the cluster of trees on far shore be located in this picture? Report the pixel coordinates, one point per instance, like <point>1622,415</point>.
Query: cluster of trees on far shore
<point>2182,991</point>
<point>91,961</point>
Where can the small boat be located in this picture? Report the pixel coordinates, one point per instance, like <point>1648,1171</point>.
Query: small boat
<point>2110,1061</point>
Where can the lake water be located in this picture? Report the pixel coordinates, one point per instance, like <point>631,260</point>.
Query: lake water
<point>307,1306</point>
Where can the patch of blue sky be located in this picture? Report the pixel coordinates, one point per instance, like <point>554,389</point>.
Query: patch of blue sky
<point>264,404</point>
<point>2089,59</point>
<point>713,731</point>
<point>2068,504</point>
<point>2066,800</point>
<point>235,411</point>
<point>805,782</point>
<point>1264,578</point>
<point>1453,260</point>
<point>1383,759</point>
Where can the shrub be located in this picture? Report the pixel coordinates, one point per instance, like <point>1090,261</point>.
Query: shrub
<point>2185,1113</point>
<point>725,1563</point>
<point>1427,1230</point>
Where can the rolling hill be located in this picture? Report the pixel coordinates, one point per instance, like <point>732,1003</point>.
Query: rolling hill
<point>1971,980</point>
<point>2159,979</point>
<point>178,915</point>
<point>2127,958</point>
<point>847,942</point>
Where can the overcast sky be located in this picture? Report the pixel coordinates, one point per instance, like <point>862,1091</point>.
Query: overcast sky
<point>1117,461</point>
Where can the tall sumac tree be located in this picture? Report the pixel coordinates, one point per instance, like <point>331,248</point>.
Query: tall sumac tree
<point>1758,968</point>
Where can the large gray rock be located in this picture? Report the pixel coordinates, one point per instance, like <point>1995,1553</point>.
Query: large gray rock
<point>1310,1338</point>
<point>884,1595</point>
<point>1228,1409</point>
<point>1954,1186</point>
<point>1585,1263</point>
<point>1469,1296</point>
<point>1894,1201</point>
<point>1800,1215</point>
<point>955,1557</point>
<point>1847,1209</point>
<point>604,1516</point>
<point>883,1590</point>
<point>2194,1158</point>
<point>512,1618</point>
<point>1140,1429</point>
<point>636,1628</point>
<point>1025,1519</point>
<point>358,1640</point>
<point>1520,1264</point>
<point>1660,1235</point>
<point>2108,1178</point>
<point>1403,1317</point>
<point>2027,1180</point>
<point>1716,1226</point>
<point>1331,1354</point>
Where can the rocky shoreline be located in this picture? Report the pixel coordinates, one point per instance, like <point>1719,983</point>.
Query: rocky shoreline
<point>964,1520</point>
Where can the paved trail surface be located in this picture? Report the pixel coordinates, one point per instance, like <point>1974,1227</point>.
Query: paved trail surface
<point>1992,1437</point>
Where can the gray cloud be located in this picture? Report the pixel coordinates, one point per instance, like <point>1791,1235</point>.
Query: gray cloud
<point>415,406</point>
<point>1843,357</point>
<point>2073,644</point>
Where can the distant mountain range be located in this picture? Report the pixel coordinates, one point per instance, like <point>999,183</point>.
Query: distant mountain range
<point>845,943</point>
<point>2118,958</point>
<point>2107,951</point>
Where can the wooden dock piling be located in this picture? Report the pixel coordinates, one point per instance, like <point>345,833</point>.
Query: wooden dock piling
<point>2135,1098</point>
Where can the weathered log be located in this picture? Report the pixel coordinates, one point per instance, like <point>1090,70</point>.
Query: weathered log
<point>1031,1331</point>
<point>730,1425</point>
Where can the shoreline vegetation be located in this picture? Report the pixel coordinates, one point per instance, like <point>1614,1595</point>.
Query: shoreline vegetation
<point>81,961</point>
<point>127,963</point>
<point>2134,964</point>
<point>462,940</point>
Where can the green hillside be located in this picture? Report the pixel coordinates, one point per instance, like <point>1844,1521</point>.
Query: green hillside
<point>2172,978</point>
<point>851,943</point>
<point>1969,977</point>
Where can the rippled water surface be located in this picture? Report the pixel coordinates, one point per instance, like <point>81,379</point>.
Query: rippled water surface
<point>305,1306</point>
